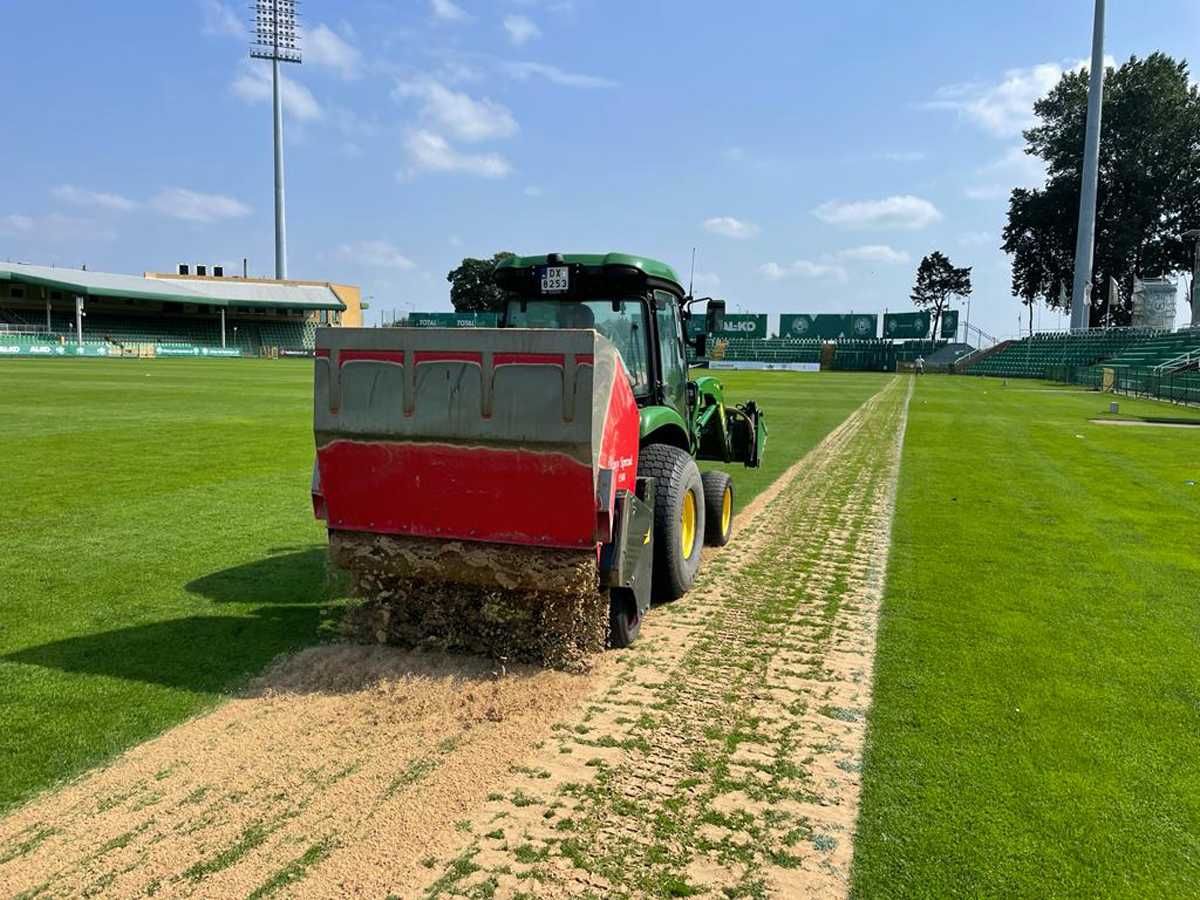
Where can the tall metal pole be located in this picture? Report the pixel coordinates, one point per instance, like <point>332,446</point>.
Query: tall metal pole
<point>1085,241</point>
<point>276,37</point>
<point>280,225</point>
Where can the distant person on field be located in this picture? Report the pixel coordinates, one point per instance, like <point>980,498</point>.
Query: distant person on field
<point>920,365</point>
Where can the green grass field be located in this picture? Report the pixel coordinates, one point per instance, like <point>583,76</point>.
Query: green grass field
<point>161,547</point>
<point>1036,721</point>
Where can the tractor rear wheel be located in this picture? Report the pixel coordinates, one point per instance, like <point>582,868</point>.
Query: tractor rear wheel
<point>718,508</point>
<point>678,518</point>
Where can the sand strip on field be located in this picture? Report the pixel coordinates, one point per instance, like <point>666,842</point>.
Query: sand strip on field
<point>371,770</point>
<point>722,756</point>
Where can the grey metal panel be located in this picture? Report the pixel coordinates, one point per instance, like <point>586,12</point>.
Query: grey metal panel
<point>541,407</point>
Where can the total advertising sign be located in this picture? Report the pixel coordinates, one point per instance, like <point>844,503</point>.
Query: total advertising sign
<point>828,326</point>
<point>743,325</point>
<point>454,320</point>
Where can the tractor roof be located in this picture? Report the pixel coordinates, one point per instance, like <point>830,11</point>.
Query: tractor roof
<point>650,267</point>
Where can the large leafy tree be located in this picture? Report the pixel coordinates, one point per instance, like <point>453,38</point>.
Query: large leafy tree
<point>473,285</point>
<point>1149,189</point>
<point>938,280</point>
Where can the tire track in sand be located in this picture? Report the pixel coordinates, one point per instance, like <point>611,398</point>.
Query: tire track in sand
<point>367,770</point>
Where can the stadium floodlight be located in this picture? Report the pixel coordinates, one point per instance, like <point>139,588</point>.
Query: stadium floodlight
<point>1194,299</point>
<point>1086,233</point>
<point>276,37</point>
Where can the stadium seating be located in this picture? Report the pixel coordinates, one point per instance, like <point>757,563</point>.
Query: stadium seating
<point>1037,356</point>
<point>790,350</point>
<point>252,335</point>
<point>864,355</point>
<point>1156,350</point>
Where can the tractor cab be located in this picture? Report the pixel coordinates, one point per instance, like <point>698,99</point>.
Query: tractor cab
<point>640,306</point>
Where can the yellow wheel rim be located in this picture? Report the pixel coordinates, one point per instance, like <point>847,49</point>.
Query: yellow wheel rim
<point>687,521</point>
<point>726,509</point>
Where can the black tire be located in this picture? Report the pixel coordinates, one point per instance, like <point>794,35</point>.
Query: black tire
<point>676,477</point>
<point>718,519</point>
<point>624,618</point>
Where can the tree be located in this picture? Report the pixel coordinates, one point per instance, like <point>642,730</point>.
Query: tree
<point>938,280</point>
<point>1149,191</point>
<point>473,285</point>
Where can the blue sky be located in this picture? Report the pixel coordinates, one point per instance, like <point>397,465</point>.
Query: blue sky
<point>812,153</point>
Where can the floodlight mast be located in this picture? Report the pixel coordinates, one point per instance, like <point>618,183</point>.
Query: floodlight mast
<point>277,38</point>
<point>1085,238</point>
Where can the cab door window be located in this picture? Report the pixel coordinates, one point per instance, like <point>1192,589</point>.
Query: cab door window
<point>670,342</point>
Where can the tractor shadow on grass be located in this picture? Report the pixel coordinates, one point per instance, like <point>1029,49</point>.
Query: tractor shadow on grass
<point>280,598</point>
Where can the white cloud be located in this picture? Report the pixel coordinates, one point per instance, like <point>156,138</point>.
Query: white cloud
<point>192,206</point>
<point>728,226</point>
<point>15,224</point>
<point>324,47</point>
<point>975,238</point>
<point>875,253</point>
<point>68,193</point>
<point>448,11</point>
<point>380,254</point>
<point>904,212</point>
<point>457,113</point>
<point>521,29</point>
<point>429,152</point>
<point>803,268</point>
<point>523,71</point>
<point>55,227</point>
<point>903,156</point>
<point>221,20</point>
<point>1015,168</point>
<point>1005,109</point>
<point>254,86</point>
<point>706,283</point>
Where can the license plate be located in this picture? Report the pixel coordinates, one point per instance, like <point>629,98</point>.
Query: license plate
<point>556,280</point>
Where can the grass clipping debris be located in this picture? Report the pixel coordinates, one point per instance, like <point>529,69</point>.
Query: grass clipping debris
<point>519,604</point>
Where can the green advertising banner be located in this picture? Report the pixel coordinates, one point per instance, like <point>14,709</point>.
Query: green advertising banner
<point>39,348</point>
<point>189,350</point>
<point>949,327</point>
<point>828,326</point>
<point>12,347</point>
<point>744,325</point>
<point>906,325</point>
<point>454,320</point>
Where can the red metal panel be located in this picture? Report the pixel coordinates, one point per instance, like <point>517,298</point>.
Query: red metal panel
<point>386,356</point>
<point>511,496</point>
<point>619,441</point>
<point>529,359</point>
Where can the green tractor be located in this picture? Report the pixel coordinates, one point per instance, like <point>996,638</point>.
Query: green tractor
<point>640,305</point>
<point>570,433</point>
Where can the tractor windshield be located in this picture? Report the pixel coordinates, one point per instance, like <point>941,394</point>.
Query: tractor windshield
<point>621,321</point>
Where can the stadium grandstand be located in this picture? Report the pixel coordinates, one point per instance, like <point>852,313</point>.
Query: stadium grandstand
<point>1055,355</point>
<point>56,311</point>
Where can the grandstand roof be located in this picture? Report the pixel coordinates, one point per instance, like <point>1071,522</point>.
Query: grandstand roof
<point>211,292</point>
